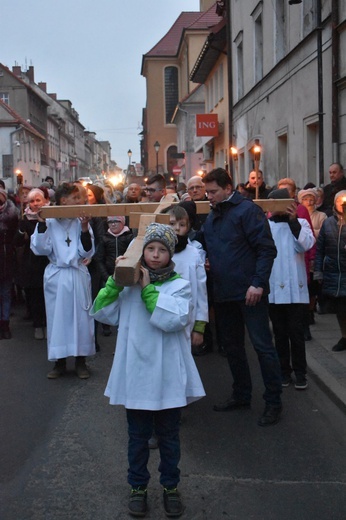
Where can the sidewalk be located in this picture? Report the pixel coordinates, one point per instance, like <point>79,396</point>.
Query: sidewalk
<point>326,367</point>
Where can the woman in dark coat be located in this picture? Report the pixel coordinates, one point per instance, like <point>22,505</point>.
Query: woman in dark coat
<point>9,217</point>
<point>31,268</point>
<point>330,263</point>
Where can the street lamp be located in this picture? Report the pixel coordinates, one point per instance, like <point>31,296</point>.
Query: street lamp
<point>256,150</point>
<point>129,153</point>
<point>157,148</point>
<point>234,153</point>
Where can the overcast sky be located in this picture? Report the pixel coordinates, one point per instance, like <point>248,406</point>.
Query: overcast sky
<point>91,53</point>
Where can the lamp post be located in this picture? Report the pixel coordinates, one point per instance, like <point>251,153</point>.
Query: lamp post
<point>20,190</point>
<point>256,150</point>
<point>157,148</point>
<point>129,153</point>
<point>234,153</point>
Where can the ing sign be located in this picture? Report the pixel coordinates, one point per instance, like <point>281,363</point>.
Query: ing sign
<point>207,125</point>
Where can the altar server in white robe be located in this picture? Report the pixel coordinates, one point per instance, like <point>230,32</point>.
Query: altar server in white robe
<point>67,285</point>
<point>153,373</point>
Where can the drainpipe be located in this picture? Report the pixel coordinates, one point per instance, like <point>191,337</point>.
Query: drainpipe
<point>335,77</point>
<point>320,93</point>
<point>230,86</point>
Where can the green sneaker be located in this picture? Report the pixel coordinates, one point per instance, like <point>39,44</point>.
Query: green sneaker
<point>138,501</point>
<point>172,502</point>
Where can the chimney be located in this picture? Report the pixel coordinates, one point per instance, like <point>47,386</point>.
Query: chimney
<point>43,86</point>
<point>53,96</point>
<point>30,74</point>
<point>17,70</point>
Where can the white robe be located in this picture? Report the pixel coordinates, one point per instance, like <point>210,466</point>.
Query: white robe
<point>288,281</point>
<point>189,263</point>
<point>67,289</point>
<point>153,368</point>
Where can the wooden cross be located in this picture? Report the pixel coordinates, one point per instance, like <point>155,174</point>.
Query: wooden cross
<point>141,215</point>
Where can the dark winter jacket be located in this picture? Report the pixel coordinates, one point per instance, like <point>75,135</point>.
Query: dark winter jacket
<point>240,248</point>
<point>263,191</point>
<point>8,226</point>
<point>30,267</point>
<point>330,261</point>
<point>109,249</point>
<point>330,190</point>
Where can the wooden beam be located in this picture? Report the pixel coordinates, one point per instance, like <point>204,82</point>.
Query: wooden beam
<point>107,210</point>
<point>273,204</point>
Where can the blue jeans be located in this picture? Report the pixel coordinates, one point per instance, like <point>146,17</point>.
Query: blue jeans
<point>232,318</point>
<point>5,299</point>
<point>141,424</point>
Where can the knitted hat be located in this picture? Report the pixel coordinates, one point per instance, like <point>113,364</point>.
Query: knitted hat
<point>161,233</point>
<point>304,193</point>
<point>116,219</point>
<point>281,193</point>
<point>190,208</point>
<point>97,191</point>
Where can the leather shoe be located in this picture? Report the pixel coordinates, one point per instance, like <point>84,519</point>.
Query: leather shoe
<point>271,415</point>
<point>231,404</point>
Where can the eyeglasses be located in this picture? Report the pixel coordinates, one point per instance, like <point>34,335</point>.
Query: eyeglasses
<point>152,190</point>
<point>191,188</point>
<point>113,222</point>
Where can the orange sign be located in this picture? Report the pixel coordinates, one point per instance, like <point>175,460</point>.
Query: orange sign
<point>207,125</point>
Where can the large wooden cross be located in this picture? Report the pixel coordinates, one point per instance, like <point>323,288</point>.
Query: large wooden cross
<point>140,215</point>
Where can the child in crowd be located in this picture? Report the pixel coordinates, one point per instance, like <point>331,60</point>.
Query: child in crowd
<point>153,373</point>
<point>189,260</point>
<point>113,244</point>
<point>67,287</point>
<point>289,289</point>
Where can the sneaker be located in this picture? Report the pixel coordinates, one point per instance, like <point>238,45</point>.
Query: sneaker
<point>286,381</point>
<point>58,371</point>
<point>138,501</point>
<point>172,502</point>
<point>301,383</point>
<point>39,333</point>
<point>81,369</point>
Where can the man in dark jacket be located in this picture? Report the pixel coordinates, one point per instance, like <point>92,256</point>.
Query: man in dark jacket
<point>241,251</point>
<point>256,180</point>
<point>337,183</point>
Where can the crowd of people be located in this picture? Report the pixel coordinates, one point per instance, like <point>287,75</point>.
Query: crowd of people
<point>236,266</point>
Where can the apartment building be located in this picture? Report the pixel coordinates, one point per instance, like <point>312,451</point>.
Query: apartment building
<point>166,68</point>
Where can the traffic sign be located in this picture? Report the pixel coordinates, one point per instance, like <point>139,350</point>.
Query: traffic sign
<point>176,170</point>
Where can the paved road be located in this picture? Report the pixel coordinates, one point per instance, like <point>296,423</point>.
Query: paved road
<point>63,448</point>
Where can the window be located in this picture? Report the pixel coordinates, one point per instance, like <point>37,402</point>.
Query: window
<point>240,65</point>
<point>258,42</point>
<point>309,16</point>
<point>312,155</point>
<point>171,92</point>
<point>4,96</point>
<point>280,29</point>
<point>221,95</point>
<point>282,153</point>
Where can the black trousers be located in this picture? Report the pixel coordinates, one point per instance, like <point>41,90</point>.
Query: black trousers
<point>288,328</point>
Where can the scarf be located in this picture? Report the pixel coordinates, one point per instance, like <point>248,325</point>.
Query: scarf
<point>30,215</point>
<point>160,275</point>
<point>124,230</point>
<point>181,244</point>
